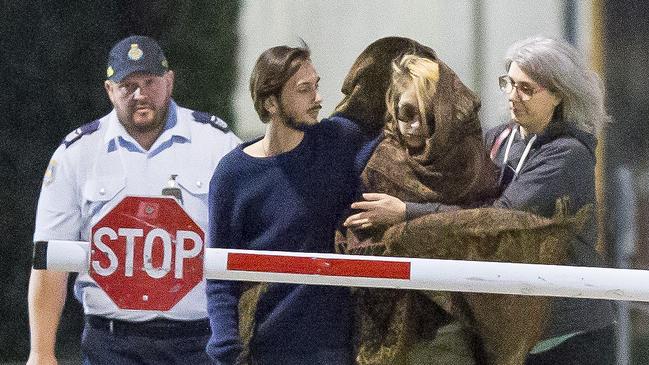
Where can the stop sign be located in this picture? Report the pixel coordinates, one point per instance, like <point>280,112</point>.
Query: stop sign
<point>147,253</point>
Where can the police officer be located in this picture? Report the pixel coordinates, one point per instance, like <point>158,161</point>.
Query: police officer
<point>146,144</point>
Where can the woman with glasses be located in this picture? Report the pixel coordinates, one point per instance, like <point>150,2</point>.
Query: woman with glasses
<point>545,153</point>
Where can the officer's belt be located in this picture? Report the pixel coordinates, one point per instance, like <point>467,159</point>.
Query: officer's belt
<point>157,328</point>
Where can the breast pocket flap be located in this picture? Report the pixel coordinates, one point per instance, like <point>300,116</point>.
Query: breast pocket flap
<point>103,189</point>
<point>195,184</point>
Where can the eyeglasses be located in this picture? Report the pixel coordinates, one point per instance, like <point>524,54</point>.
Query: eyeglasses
<point>524,89</point>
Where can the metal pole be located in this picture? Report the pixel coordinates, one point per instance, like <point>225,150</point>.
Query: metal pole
<point>626,233</point>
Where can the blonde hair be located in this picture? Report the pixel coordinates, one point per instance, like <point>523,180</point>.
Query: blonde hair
<point>409,69</point>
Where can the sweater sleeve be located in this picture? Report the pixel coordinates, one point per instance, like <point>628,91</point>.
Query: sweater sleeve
<point>349,136</point>
<point>222,296</point>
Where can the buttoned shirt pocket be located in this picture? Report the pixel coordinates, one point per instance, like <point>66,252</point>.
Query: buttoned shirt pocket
<point>194,184</point>
<point>98,193</point>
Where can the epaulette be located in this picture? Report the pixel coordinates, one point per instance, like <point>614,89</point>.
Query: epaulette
<point>213,120</point>
<point>85,129</point>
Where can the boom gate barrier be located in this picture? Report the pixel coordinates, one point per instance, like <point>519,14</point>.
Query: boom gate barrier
<point>389,272</point>
<point>171,256</point>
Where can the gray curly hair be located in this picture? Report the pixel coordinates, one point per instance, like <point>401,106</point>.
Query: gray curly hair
<point>560,68</point>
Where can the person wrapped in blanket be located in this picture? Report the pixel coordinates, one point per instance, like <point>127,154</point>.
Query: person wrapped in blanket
<point>432,157</point>
<point>272,323</point>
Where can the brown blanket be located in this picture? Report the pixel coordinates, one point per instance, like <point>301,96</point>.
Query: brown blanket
<point>453,168</point>
<point>507,326</point>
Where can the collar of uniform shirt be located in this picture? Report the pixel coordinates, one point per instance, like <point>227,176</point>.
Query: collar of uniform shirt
<point>172,127</point>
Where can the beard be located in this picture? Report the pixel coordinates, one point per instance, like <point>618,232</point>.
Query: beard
<point>291,122</point>
<point>294,124</point>
<point>129,117</point>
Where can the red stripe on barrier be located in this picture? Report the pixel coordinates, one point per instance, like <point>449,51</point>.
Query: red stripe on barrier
<point>319,266</point>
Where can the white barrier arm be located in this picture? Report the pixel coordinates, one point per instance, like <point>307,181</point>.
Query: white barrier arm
<point>390,272</point>
<point>55,255</point>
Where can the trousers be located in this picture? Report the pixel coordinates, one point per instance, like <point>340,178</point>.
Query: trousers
<point>116,342</point>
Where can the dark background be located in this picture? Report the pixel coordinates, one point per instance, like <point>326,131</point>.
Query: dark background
<point>52,67</point>
<point>626,55</point>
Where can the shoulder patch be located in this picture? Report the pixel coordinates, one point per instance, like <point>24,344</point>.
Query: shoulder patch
<point>213,120</point>
<point>85,129</point>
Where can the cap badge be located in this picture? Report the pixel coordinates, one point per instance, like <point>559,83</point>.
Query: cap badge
<point>165,64</point>
<point>135,53</point>
<point>109,71</point>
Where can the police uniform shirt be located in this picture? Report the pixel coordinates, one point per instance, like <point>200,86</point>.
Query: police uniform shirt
<point>99,164</point>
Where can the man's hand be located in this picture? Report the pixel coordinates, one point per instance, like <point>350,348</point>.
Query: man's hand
<point>378,210</point>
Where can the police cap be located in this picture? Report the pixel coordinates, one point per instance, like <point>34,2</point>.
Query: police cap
<point>135,54</point>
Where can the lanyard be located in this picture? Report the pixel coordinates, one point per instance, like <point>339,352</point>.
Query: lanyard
<point>526,152</point>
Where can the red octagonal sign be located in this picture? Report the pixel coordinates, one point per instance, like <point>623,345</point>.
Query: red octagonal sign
<point>147,253</point>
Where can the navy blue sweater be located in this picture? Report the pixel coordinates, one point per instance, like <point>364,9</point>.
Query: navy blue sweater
<point>289,202</point>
